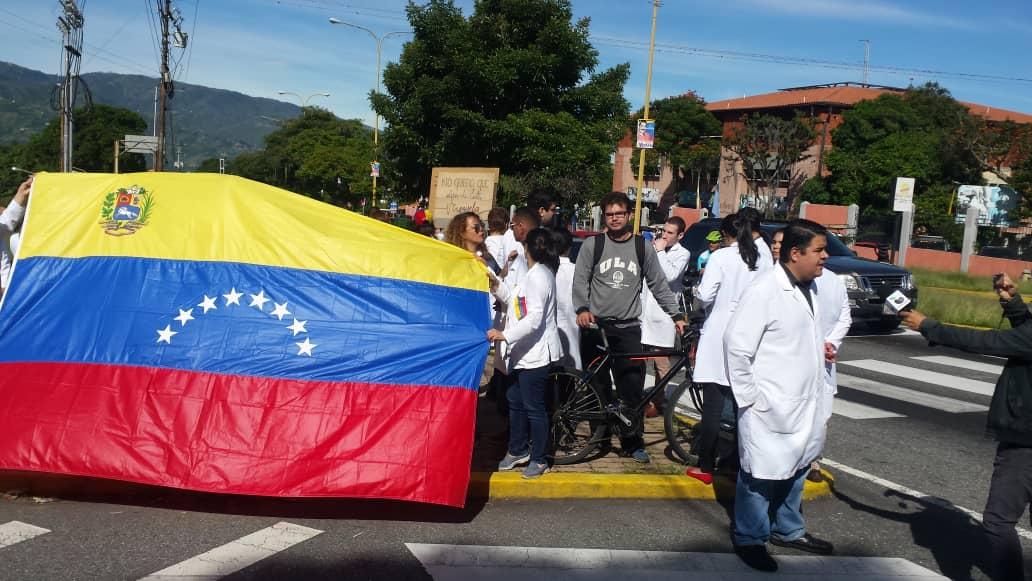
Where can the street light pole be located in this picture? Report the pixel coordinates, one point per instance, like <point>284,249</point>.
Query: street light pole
<point>304,100</point>
<point>379,51</point>
<point>648,96</point>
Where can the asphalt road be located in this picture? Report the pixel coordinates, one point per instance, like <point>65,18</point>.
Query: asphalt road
<point>921,448</point>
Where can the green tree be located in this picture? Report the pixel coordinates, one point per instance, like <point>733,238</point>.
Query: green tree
<point>684,131</point>
<point>923,133</point>
<point>512,86</point>
<point>316,154</point>
<point>11,154</point>
<point>768,147</point>
<point>93,139</point>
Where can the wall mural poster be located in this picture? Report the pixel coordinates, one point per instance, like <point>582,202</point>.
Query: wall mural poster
<point>996,205</point>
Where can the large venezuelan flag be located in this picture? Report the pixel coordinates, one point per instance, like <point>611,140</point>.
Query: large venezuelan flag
<point>212,333</point>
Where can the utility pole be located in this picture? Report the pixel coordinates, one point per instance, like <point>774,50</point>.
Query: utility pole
<point>648,95</point>
<point>867,59</point>
<point>70,24</point>
<point>169,18</point>
<point>164,84</point>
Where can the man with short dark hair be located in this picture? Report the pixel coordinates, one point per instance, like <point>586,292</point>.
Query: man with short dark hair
<point>657,329</point>
<point>611,270</point>
<point>543,201</point>
<point>775,358</point>
<point>524,220</point>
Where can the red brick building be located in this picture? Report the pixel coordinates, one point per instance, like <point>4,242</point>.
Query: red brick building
<point>823,104</point>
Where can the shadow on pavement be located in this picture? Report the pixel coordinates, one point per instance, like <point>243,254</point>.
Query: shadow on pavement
<point>956,541</point>
<point>82,489</point>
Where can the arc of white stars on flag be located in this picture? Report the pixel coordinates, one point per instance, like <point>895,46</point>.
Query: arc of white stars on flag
<point>233,298</point>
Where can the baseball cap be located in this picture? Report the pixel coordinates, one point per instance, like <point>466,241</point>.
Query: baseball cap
<point>714,236</point>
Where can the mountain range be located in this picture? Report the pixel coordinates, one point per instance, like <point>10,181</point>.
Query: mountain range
<point>205,122</point>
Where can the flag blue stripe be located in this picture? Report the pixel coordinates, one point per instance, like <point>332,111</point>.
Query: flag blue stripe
<point>365,329</point>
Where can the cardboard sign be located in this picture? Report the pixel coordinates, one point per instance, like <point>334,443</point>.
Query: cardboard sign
<point>454,190</point>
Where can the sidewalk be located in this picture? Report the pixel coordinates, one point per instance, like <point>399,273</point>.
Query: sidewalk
<point>611,476</point>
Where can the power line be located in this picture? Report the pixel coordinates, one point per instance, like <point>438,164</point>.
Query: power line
<point>780,59</point>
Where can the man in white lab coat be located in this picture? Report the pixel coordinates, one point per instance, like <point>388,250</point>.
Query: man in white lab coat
<point>775,357</point>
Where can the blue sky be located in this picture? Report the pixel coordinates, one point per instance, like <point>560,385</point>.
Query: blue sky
<point>259,47</point>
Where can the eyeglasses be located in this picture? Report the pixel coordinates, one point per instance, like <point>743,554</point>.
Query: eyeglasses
<point>616,214</point>
<point>478,228</point>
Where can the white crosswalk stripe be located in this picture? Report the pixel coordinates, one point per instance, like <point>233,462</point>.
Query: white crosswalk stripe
<point>475,563</point>
<point>14,532</point>
<point>962,363</point>
<point>946,404</point>
<point>857,411</point>
<point>931,377</point>
<point>236,555</point>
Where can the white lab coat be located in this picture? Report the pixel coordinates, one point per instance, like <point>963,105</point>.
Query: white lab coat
<point>566,316</point>
<point>775,361</point>
<point>10,222</point>
<point>720,290</point>
<point>836,318</point>
<point>518,267</point>
<point>531,336</point>
<point>657,328</point>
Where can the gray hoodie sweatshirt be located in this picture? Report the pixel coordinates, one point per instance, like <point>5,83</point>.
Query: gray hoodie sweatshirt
<point>613,289</point>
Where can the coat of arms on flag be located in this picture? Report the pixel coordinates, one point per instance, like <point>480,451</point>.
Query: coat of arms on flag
<point>126,210</point>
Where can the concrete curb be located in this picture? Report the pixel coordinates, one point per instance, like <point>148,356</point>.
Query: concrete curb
<point>571,485</point>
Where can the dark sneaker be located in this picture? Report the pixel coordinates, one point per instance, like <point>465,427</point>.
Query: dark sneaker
<point>807,542</point>
<point>641,456</point>
<point>757,557</point>
<point>513,460</point>
<point>535,470</point>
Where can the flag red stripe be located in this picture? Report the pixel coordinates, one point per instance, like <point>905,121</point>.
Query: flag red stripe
<point>238,434</point>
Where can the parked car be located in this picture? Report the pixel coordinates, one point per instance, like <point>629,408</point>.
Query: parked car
<point>867,282</point>
<point>998,252</point>
<point>931,242</point>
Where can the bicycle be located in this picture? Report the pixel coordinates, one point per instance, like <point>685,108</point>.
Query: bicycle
<point>583,418</point>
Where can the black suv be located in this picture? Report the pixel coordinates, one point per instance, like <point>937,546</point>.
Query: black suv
<point>868,282</point>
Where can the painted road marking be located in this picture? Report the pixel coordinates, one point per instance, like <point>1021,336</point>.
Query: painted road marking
<point>236,555</point>
<point>477,562</point>
<point>14,532</point>
<point>962,363</point>
<point>926,498</point>
<point>946,404</point>
<point>859,411</point>
<point>932,377</point>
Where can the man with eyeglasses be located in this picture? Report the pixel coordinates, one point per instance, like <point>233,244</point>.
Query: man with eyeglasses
<point>610,273</point>
<point>539,211</point>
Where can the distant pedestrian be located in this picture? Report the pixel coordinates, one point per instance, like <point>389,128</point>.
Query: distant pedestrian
<point>420,216</point>
<point>497,226</point>
<point>775,362</point>
<point>530,342</point>
<point>566,314</point>
<point>713,243</point>
<point>1009,420</point>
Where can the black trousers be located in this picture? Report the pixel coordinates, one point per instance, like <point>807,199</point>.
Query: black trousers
<point>1009,493</point>
<point>714,398</point>
<point>624,337</point>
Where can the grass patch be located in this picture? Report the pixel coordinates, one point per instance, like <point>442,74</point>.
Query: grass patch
<point>960,281</point>
<point>960,309</point>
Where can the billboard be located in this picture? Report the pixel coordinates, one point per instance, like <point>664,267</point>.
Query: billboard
<point>996,205</point>
<point>646,133</point>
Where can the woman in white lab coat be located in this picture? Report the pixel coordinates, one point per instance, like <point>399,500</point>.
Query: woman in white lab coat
<point>729,273</point>
<point>566,315</point>
<point>531,344</point>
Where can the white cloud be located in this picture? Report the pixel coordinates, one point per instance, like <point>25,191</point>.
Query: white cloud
<point>863,10</point>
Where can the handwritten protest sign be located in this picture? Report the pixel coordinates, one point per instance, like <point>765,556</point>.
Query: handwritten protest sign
<point>454,190</point>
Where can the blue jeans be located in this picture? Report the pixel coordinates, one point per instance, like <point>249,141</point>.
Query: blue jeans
<point>528,418</point>
<point>768,507</point>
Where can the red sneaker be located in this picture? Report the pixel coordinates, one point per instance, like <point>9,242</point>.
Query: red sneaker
<point>703,477</point>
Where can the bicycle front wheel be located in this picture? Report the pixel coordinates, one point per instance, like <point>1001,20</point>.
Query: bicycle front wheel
<point>578,417</point>
<point>679,421</point>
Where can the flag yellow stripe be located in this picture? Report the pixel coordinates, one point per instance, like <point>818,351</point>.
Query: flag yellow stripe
<point>212,217</point>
